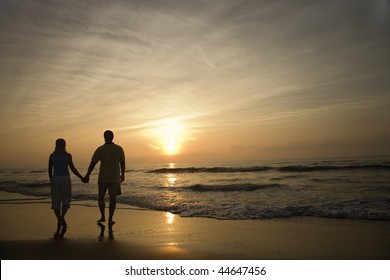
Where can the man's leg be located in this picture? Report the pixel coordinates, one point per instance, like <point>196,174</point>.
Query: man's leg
<point>102,207</point>
<point>112,208</point>
<point>101,202</point>
<point>113,191</point>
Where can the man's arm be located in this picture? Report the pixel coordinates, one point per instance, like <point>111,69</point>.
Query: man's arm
<point>123,169</point>
<point>90,169</point>
<point>95,159</point>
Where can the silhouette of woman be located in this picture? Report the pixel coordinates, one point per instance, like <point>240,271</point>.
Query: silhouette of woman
<point>59,163</point>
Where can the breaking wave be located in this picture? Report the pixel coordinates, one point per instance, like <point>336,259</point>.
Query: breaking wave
<point>231,188</point>
<point>288,168</point>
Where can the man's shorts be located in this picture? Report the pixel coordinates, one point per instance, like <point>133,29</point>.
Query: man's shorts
<point>113,189</point>
<point>61,192</point>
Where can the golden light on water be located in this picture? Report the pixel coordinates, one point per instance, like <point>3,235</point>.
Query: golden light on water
<point>171,180</point>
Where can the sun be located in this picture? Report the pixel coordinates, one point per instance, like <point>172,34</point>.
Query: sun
<point>169,135</point>
<point>171,147</point>
<point>171,144</point>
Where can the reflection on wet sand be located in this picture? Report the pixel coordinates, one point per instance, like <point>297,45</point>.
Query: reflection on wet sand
<point>170,218</point>
<point>172,248</point>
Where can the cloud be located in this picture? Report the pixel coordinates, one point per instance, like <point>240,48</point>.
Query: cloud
<point>154,147</point>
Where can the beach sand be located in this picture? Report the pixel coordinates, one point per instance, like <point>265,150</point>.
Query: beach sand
<point>27,233</point>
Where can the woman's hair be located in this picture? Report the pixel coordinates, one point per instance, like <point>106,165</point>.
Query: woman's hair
<point>60,146</point>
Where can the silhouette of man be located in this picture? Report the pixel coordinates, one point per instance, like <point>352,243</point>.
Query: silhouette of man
<point>111,174</point>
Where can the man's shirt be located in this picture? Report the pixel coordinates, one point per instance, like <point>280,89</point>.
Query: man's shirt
<point>109,155</point>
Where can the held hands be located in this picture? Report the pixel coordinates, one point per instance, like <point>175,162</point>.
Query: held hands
<point>85,179</point>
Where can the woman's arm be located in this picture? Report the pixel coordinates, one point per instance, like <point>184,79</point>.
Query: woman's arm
<point>50,168</point>
<point>73,168</point>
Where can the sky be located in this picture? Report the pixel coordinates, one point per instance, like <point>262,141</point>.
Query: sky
<point>182,81</point>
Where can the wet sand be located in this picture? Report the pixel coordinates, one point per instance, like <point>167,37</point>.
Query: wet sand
<point>28,227</point>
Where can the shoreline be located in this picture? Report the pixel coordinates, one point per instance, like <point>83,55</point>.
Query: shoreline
<point>28,228</point>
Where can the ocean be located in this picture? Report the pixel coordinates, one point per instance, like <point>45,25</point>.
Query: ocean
<point>357,188</point>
